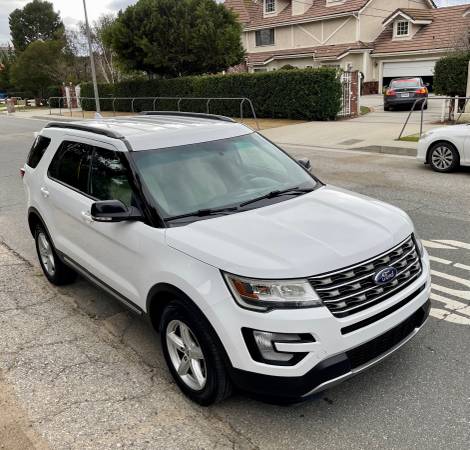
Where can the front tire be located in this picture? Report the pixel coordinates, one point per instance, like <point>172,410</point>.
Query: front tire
<point>444,157</point>
<point>54,269</point>
<point>193,354</point>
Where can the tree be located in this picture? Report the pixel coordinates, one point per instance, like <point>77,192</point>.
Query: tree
<point>36,21</point>
<point>7,59</point>
<point>450,75</point>
<point>38,67</point>
<point>176,37</point>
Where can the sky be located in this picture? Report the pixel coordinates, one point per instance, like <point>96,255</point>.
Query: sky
<point>72,10</point>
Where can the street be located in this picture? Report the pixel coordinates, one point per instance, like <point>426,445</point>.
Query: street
<point>95,375</point>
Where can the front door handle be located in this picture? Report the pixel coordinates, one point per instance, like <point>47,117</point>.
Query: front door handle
<point>44,192</point>
<point>87,216</point>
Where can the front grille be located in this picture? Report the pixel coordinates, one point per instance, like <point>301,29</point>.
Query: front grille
<point>353,289</point>
<point>373,349</point>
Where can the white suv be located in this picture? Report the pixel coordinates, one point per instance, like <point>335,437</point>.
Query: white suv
<point>257,274</point>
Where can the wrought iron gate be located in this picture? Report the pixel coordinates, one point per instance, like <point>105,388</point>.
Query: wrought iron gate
<point>346,85</point>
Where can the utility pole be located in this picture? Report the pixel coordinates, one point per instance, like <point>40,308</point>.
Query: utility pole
<point>92,61</point>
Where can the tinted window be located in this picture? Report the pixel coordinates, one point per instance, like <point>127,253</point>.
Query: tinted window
<point>71,165</point>
<point>37,150</point>
<point>109,178</point>
<point>406,83</point>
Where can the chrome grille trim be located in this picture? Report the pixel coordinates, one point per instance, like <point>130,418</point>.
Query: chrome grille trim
<point>347,291</point>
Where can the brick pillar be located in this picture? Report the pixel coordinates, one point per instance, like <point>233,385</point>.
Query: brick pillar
<point>355,92</point>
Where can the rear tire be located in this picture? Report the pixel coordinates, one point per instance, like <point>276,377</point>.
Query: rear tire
<point>52,266</point>
<point>444,157</point>
<point>194,354</point>
<point>386,108</point>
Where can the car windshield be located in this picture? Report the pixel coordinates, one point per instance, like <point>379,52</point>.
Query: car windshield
<point>217,174</point>
<point>407,83</point>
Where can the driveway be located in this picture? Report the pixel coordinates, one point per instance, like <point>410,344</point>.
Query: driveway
<point>84,373</point>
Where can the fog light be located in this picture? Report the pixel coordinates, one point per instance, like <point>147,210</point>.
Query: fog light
<point>262,346</point>
<point>264,341</point>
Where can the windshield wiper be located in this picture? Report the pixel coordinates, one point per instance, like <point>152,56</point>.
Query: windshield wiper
<point>203,213</point>
<point>291,191</point>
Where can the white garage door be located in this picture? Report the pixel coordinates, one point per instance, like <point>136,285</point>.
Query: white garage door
<point>409,69</point>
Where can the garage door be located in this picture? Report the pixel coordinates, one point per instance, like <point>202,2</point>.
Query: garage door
<point>409,69</point>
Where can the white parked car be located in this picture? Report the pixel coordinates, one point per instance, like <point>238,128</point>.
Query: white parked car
<point>257,274</point>
<point>445,148</point>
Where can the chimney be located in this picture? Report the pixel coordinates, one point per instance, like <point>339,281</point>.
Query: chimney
<point>299,7</point>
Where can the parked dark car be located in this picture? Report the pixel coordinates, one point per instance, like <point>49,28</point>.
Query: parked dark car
<point>404,92</point>
<point>3,96</point>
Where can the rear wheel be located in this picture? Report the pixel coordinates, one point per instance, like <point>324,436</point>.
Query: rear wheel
<point>444,157</point>
<point>194,354</point>
<point>54,269</point>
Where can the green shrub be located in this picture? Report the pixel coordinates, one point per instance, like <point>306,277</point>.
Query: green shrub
<point>450,75</point>
<point>309,94</point>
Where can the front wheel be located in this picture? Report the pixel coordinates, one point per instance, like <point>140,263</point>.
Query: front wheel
<point>194,354</point>
<point>444,157</point>
<point>54,269</point>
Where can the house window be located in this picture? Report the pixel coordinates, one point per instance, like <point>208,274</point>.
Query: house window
<point>269,6</point>
<point>403,28</point>
<point>265,37</point>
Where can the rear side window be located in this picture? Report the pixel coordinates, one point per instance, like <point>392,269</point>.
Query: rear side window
<point>37,150</point>
<point>109,178</point>
<point>71,165</point>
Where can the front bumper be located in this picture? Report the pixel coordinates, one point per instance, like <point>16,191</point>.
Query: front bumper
<point>334,369</point>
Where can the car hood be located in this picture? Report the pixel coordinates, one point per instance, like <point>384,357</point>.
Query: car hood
<point>325,230</point>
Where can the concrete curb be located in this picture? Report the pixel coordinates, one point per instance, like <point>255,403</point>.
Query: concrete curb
<point>384,149</point>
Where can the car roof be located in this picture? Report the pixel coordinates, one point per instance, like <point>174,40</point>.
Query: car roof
<point>162,130</point>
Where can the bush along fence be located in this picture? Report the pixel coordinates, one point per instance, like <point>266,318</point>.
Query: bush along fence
<point>304,94</point>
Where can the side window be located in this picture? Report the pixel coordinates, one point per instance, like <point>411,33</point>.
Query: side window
<point>109,178</point>
<point>71,165</point>
<point>37,150</point>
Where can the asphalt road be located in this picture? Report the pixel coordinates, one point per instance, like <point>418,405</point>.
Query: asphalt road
<point>418,398</point>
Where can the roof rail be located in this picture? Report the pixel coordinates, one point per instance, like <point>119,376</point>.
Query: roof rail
<point>187,114</point>
<point>90,129</point>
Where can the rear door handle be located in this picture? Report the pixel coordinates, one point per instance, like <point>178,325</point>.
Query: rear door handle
<point>87,216</point>
<point>44,192</point>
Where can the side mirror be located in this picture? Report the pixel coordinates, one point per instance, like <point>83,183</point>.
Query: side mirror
<point>305,163</point>
<point>113,211</point>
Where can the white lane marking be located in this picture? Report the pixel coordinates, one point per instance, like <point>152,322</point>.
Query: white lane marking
<point>449,317</point>
<point>464,295</point>
<point>452,304</point>
<point>453,278</point>
<point>430,244</point>
<point>462,266</point>
<point>458,244</point>
<point>439,260</point>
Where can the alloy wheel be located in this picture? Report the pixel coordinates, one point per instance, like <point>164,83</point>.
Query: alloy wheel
<point>442,157</point>
<point>186,355</point>
<point>46,254</point>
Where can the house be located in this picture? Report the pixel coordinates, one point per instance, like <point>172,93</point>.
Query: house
<point>379,40</point>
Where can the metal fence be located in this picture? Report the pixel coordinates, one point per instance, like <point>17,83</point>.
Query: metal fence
<point>65,104</point>
<point>451,111</point>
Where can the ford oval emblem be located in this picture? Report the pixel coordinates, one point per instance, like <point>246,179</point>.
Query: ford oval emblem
<point>385,275</point>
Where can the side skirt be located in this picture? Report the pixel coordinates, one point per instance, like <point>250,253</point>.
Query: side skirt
<point>100,284</point>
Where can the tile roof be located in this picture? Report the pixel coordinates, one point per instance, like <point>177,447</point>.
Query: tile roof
<point>413,13</point>
<point>251,13</point>
<point>448,25</point>
<point>323,51</point>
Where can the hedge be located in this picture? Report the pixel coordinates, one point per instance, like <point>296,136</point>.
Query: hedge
<point>450,75</point>
<point>309,94</point>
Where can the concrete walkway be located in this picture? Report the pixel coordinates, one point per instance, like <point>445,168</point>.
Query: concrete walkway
<point>376,131</point>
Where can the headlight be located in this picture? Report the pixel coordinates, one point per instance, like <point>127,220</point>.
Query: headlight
<point>426,134</point>
<point>264,295</point>
<point>419,244</point>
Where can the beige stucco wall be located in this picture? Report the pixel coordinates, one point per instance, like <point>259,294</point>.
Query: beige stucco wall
<point>371,27</point>
<point>327,32</point>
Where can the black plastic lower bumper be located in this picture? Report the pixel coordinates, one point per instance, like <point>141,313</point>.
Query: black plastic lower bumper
<point>291,389</point>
